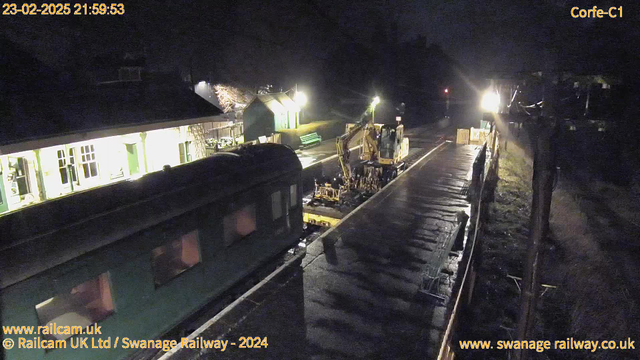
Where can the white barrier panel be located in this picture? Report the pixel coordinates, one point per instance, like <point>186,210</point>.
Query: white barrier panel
<point>478,136</point>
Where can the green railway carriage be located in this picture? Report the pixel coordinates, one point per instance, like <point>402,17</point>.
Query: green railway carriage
<point>139,257</point>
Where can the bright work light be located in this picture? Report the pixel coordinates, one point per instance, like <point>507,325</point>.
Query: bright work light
<point>490,101</point>
<point>300,98</point>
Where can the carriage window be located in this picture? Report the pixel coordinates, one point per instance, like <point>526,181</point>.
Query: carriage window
<point>172,259</point>
<point>84,305</point>
<point>293,196</point>
<point>239,224</point>
<point>276,205</point>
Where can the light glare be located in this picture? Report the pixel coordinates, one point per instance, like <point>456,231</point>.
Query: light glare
<point>300,98</point>
<point>490,102</point>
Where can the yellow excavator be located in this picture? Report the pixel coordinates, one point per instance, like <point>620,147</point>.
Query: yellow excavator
<point>334,190</point>
<point>383,149</point>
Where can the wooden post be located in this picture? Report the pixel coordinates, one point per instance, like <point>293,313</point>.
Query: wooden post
<point>506,138</point>
<point>543,175</point>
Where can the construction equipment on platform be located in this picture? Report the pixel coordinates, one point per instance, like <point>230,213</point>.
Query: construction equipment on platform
<point>383,149</point>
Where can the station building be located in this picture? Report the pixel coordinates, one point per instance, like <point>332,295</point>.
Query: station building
<point>52,145</point>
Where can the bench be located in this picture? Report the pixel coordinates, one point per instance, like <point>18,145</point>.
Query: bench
<point>310,139</point>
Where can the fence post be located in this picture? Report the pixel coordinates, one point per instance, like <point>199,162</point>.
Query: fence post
<point>543,175</point>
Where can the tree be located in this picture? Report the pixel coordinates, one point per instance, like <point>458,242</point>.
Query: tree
<point>232,98</point>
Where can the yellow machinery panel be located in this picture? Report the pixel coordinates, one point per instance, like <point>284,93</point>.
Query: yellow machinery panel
<point>463,137</point>
<point>320,220</point>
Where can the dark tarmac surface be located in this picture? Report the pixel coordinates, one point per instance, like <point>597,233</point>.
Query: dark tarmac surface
<point>356,293</point>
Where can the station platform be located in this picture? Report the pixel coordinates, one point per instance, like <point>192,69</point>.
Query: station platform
<point>358,291</point>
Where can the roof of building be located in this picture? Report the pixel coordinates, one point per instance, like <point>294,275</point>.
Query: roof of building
<point>288,103</point>
<point>30,110</point>
<point>32,117</point>
<point>277,102</point>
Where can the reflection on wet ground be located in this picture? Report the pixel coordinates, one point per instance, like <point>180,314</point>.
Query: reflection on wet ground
<point>356,293</point>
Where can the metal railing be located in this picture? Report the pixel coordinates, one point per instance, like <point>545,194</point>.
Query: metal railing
<point>482,167</point>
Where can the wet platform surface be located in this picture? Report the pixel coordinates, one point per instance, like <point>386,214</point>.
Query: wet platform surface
<point>357,292</point>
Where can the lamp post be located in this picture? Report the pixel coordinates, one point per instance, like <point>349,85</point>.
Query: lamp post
<point>376,101</point>
<point>369,130</point>
<point>446,94</point>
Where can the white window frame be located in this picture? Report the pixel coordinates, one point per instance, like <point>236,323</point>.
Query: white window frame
<point>88,157</point>
<point>68,164</point>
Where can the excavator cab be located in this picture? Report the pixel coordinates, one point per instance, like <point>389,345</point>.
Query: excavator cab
<point>390,144</point>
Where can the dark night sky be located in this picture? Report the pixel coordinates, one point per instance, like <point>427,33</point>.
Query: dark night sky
<point>289,40</point>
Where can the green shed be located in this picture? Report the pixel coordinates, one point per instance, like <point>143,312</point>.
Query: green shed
<point>270,113</point>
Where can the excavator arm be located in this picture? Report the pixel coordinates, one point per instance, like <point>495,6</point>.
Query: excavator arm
<point>330,192</point>
<point>342,147</point>
<point>369,147</point>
